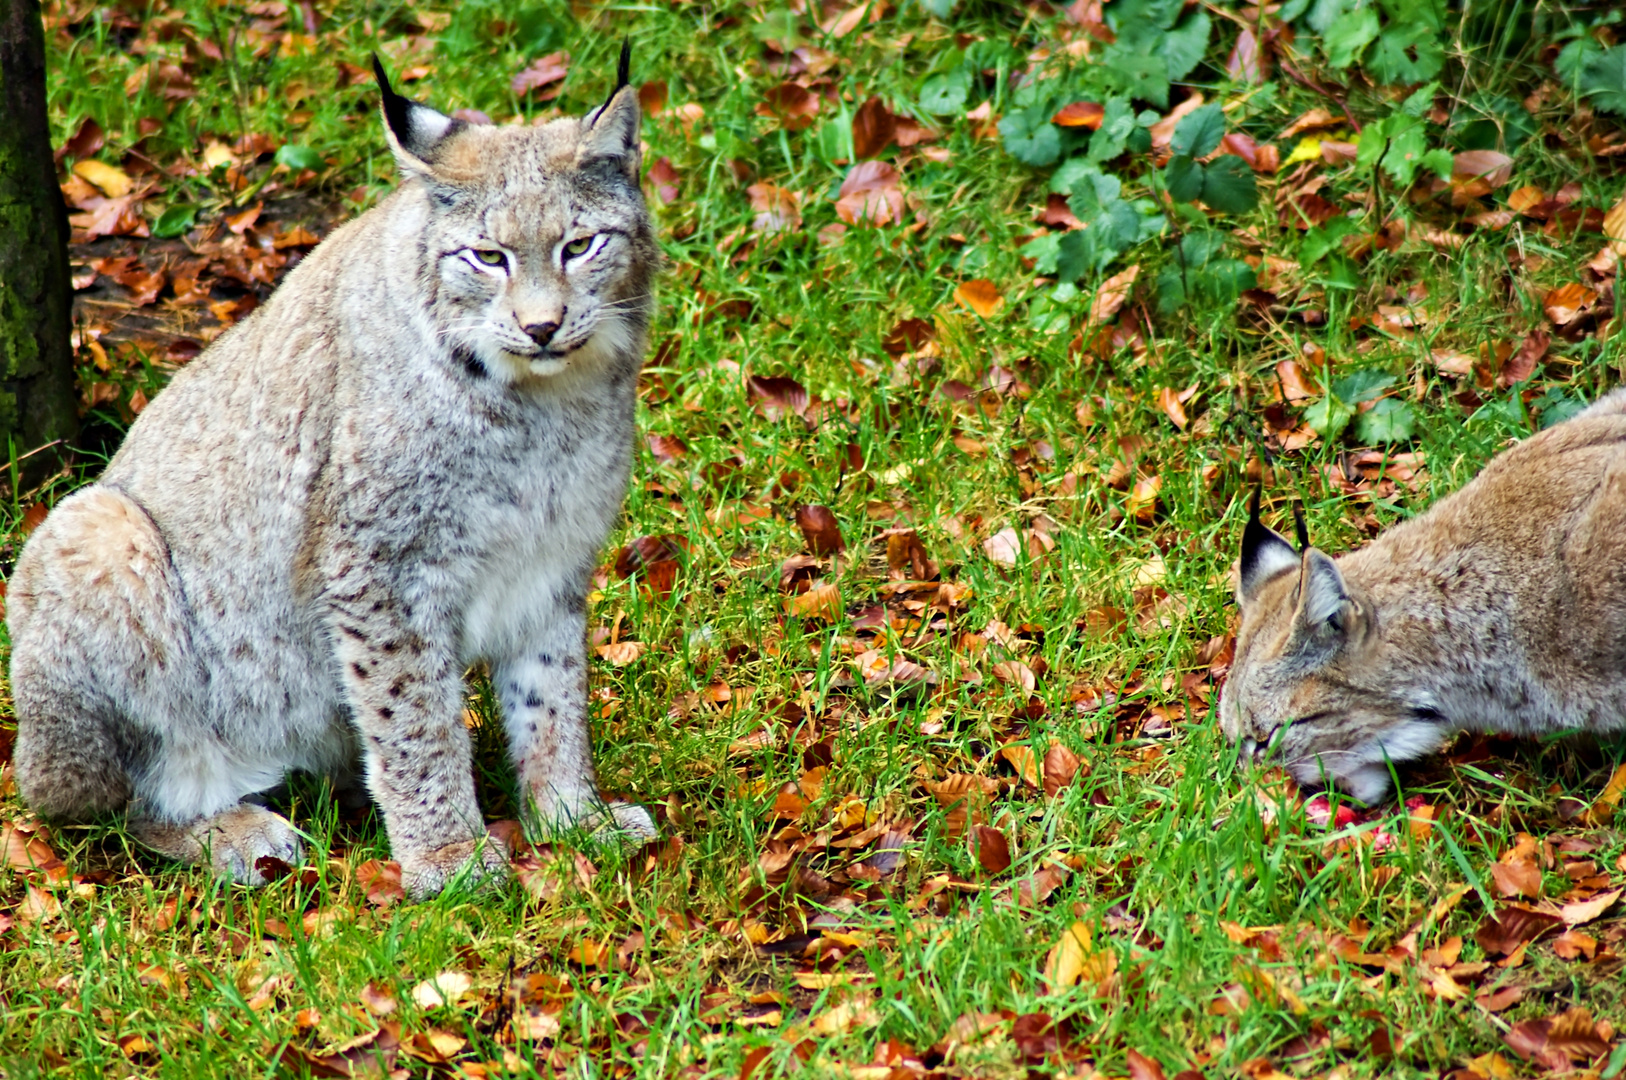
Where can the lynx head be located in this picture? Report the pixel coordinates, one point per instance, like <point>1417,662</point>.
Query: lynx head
<point>537,253</point>
<point>1307,687</point>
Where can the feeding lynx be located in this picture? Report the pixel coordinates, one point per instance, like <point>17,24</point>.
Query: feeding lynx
<point>1501,609</point>
<point>403,463</point>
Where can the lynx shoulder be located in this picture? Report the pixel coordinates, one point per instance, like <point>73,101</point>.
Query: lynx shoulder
<point>403,463</point>
<point>1503,608</point>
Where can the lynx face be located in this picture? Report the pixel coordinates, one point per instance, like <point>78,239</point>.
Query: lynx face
<point>1306,689</point>
<point>538,247</point>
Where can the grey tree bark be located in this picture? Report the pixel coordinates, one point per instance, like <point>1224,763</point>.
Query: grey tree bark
<point>37,403</point>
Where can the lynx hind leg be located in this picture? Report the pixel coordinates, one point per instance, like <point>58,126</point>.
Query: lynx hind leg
<point>97,632</point>
<point>231,842</point>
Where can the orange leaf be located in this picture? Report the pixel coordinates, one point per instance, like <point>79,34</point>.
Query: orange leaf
<point>1168,399</point>
<point>981,296</point>
<point>1084,114</point>
<point>1111,296</point>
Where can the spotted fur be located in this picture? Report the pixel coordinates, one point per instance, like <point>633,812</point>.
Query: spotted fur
<point>404,463</point>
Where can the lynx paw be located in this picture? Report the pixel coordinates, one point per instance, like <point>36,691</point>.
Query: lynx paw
<point>232,841</point>
<point>425,875</point>
<point>624,822</point>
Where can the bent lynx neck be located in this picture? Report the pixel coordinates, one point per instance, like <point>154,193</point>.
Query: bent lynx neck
<point>1501,609</point>
<point>403,463</point>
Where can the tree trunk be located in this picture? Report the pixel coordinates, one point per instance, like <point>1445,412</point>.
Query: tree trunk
<point>37,403</point>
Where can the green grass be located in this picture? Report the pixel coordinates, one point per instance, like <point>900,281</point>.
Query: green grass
<point>153,969</point>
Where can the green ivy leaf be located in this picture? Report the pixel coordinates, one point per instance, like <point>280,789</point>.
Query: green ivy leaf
<point>1031,138</point>
<point>1349,35</point>
<point>1389,421</point>
<point>945,95</point>
<point>1199,132</point>
<point>1228,185</point>
<point>1328,417</point>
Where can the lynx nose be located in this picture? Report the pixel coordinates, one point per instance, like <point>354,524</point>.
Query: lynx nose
<point>542,332</point>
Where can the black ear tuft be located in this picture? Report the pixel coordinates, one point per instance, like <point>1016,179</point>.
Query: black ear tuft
<point>1264,553</point>
<point>416,130</point>
<point>396,108</point>
<point>1300,530</point>
<point>623,75</point>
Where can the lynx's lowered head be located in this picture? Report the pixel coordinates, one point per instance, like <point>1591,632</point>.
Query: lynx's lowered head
<point>535,240</point>
<point>1307,686</point>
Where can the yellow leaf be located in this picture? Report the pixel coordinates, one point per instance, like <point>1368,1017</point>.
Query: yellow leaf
<point>1308,149</point>
<point>112,180</point>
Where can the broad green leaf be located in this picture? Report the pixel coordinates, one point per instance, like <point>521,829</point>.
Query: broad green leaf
<point>175,221</point>
<point>1349,35</point>
<point>1031,138</point>
<point>1604,80</point>
<point>1117,124</point>
<point>1183,47</point>
<point>945,95</point>
<point>1223,281</point>
<point>1328,417</point>
<point>1556,406</point>
<point>1171,292</point>
<point>1438,162</point>
<point>1407,145</point>
<point>1361,386</point>
<point>1228,185</point>
<point>1044,251</point>
<point>1200,248</point>
<point>1418,103</point>
<point>1183,178</point>
<point>298,157</point>
<point>1093,192</point>
<point>1135,71</point>
<point>1326,12</point>
<point>1199,132</point>
<point>1572,59</point>
<point>1324,239</point>
<point>1389,421</point>
<point>1127,16</point>
<point>1075,255</point>
<point>1071,173</point>
<point>941,8</point>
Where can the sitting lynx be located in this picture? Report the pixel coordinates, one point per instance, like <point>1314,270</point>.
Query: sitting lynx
<point>405,462</point>
<point>1501,609</point>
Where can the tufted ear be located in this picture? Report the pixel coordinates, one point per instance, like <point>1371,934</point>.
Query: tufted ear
<point>415,131</point>
<point>611,132</point>
<point>1264,555</point>
<point>1325,609</point>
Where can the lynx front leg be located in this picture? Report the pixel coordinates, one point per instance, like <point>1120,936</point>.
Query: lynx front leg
<point>406,695</point>
<point>544,700</point>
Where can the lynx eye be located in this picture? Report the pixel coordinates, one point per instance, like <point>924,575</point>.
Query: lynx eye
<point>489,257</point>
<point>578,246</point>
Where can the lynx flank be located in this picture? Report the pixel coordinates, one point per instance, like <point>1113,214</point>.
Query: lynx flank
<point>1501,609</point>
<point>403,463</point>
